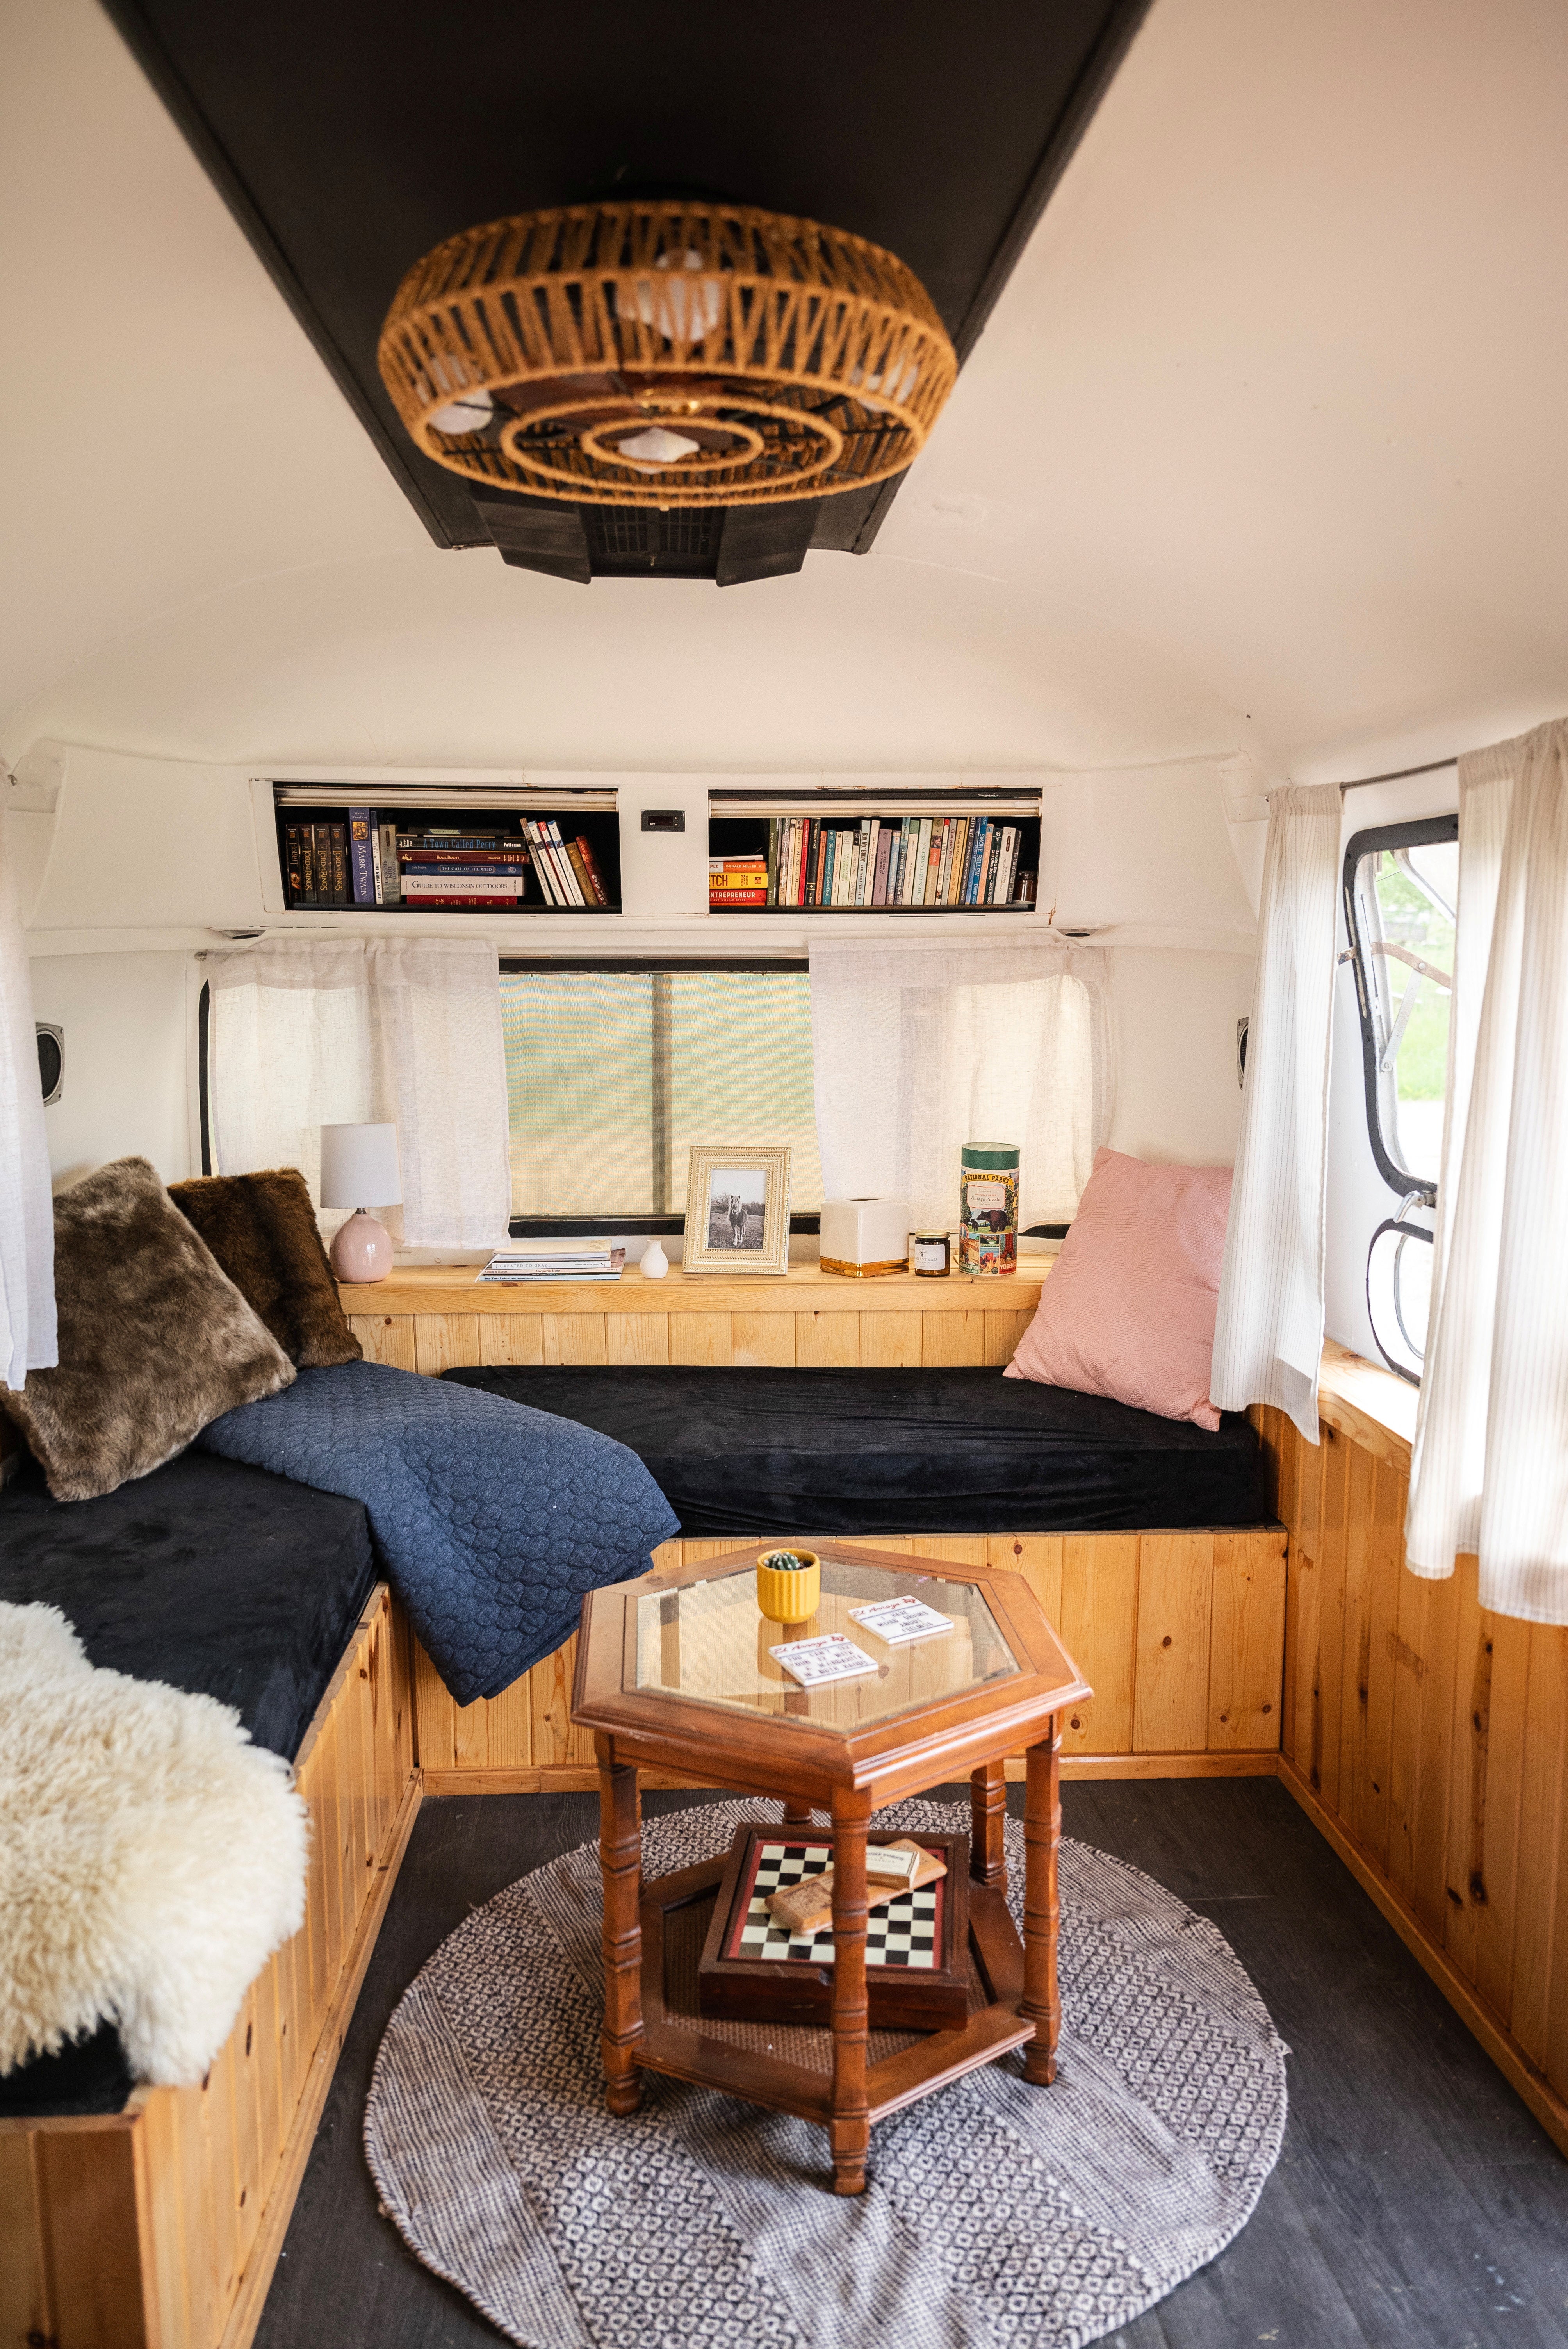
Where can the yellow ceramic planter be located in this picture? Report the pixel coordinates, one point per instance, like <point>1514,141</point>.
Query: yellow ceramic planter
<point>788,1585</point>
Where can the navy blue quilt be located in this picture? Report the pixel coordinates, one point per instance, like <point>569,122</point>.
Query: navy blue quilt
<point>490,1520</point>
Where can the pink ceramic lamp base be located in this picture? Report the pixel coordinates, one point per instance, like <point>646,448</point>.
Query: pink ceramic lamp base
<point>362,1251</point>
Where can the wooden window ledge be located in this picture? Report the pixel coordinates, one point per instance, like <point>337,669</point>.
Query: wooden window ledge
<point>1368,1403</point>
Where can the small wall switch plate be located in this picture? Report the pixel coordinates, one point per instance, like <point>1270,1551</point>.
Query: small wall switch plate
<point>664,819</point>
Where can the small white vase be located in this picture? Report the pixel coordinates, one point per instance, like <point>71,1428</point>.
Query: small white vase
<point>655,1263</point>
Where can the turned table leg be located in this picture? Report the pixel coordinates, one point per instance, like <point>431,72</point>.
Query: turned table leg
<point>1042,1844</point>
<point>849,2131</point>
<point>797,1812</point>
<point>988,1813</point>
<point>620,1860</point>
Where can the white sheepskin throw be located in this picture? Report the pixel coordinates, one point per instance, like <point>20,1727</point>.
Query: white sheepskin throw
<point>151,1858</point>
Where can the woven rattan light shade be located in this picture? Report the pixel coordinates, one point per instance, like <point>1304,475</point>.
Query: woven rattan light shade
<point>749,357</point>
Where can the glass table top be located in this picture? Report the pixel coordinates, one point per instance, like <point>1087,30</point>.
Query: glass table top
<point>709,1641</point>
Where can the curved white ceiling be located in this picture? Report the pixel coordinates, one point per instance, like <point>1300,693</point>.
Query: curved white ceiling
<point>1262,449</point>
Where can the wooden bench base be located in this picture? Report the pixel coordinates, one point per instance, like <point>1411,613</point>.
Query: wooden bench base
<point>158,2227</point>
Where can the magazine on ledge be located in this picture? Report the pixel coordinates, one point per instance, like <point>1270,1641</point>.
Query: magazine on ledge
<point>514,1266</point>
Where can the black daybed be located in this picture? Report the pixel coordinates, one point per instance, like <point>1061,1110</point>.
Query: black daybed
<point>867,1451</point>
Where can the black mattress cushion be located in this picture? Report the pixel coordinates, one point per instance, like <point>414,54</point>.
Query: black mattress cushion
<point>219,1578</point>
<point>794,1453</point>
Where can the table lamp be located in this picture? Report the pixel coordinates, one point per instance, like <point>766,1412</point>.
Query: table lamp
<point>360,1162</point>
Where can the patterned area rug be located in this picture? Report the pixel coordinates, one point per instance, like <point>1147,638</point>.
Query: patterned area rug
<point>996,2213</point>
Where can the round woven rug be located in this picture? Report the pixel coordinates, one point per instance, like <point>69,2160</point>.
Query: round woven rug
<point>996,2212</point>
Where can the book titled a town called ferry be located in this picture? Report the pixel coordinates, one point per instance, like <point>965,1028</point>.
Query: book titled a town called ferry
<point>514,1266</point>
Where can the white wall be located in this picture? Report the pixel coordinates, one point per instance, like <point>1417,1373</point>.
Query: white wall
<point>1177,1098</point>
<point>126,1093</point>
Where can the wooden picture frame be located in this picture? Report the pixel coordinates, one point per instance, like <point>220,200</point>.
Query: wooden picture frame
<point>738,1209</point>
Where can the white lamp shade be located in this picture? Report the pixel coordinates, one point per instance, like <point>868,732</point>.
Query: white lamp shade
<point>360,1166</point>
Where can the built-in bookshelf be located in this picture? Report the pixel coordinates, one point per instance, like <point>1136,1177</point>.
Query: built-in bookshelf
<point>969,852</point>
<point>421,849</point>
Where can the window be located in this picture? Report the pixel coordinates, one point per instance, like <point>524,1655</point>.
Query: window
<point>1401,889</point>
<point>615,1069</point>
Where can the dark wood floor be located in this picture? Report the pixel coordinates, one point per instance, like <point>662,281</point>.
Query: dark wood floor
<point>1416,2205</point>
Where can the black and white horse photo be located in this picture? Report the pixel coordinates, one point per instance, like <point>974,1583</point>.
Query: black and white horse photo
<point>737,1207</point>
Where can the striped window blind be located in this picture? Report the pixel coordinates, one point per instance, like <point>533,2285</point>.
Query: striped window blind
<point>615,1071</point>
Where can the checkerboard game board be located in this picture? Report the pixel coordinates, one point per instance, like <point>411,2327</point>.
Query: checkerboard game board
<point>904,1932</point>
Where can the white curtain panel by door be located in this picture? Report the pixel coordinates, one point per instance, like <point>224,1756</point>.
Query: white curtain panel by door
<point>1268,1335</point>
<point>313,1032</point>
<point>27,1340</point>
<point>1490,1464</point>
<point>921,1049</point>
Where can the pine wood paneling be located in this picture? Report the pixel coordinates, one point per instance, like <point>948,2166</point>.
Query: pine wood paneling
<point>763,1340</point>
<point>445,1342</point>
<point>386,1337</point>
<point>1246,1642</point>
<point>826,1342</point>
<point>1002,1331</point>
<point>955,1340</point>
<point>636,1337</point>
<point>699,1338</point>
<point>889,1341</point>
<point>1172,1672</point>
<point>573,1338</point>
<point>1098,1625</point>
<point>1428,1740</point>
<point>512,1339</point>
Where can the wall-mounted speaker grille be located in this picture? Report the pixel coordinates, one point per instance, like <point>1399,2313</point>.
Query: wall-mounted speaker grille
<point>51,1060</point>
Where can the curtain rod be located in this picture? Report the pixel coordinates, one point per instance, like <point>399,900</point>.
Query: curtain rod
<point>1432,767</point>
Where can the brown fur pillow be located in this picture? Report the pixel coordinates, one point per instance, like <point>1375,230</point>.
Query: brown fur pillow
<point>155,1340</point>
<point>263,1230</point>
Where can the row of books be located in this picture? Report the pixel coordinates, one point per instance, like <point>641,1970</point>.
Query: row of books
<point>510,1267</point>
<point>366,860</point>
<point>887,861</point>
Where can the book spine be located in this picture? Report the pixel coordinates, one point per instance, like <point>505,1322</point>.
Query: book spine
<point>459,884</point>
<point>444,905</point>
<point>391,888</point>
<point>596,876</point>
<point>293,879</point>
<point>956,863</point>
<point>375,879</point>
<point>773,831</point>
<point>453,842</point>
<point>906,858</point>
<point>830,861</point>
<point>987,881</point>
<point>820,863</point>
<point>933,861</point>
<point>977,842</point>
<point>1009,863</point>
<point>945,868</point>
<point>579,875</point>
<point>342,887</point>
<point>865,868</point>
<point>541,863</point>
<point>922,863</point>
<point>884,849</point>
<point>362,869</point>
<point>850,849</point>
<point>469,859</point>
<point>575,895</point>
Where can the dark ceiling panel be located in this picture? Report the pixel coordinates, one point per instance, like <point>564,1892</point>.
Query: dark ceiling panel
<point>349,139</point>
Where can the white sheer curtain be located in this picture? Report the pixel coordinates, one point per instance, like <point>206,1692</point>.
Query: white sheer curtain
<point>305,1033</point>
<point>1490,1466</point>
<point>921,1049</point>
<point>1268,1336</point>
<point>27,1340</point>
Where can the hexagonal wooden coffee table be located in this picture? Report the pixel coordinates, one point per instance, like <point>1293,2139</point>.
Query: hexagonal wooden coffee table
<point>673,1673</point>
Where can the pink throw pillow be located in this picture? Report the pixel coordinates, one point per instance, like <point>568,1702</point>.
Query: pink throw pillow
<point>1128,1311</point>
